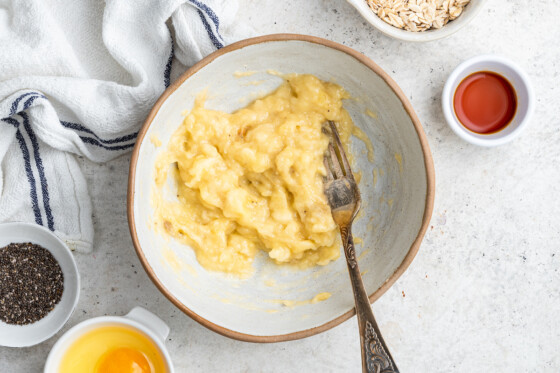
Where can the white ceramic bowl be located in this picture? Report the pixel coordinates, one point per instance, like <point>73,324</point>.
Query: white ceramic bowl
<point>138,318</point>
<point>516,77</point>
<point>397,202</point>
<point>32,334</point>
<point>469,13</point>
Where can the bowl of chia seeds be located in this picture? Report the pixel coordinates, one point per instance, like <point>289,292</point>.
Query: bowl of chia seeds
<point>39,284</point>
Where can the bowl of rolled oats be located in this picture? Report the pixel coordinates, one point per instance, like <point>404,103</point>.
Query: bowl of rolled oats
<point>418,20</point>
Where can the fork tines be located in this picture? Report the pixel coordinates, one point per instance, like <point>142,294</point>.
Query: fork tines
<point>336,163</point>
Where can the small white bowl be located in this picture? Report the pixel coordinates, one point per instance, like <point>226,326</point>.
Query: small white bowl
<point>39,331</point>
<point>138,318</point>
<point>469,13</point>
<point>516,77</point>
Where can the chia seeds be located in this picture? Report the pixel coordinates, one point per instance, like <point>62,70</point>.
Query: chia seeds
<point>31,283</point>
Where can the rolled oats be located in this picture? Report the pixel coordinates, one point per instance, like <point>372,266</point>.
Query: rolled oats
<point>417,15</point>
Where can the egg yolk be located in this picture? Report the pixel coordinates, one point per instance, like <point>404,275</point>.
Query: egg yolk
<point>124,360</point>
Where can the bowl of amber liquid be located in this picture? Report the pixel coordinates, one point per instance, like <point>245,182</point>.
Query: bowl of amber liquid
<point>111,344</point>
<point>488,100</point>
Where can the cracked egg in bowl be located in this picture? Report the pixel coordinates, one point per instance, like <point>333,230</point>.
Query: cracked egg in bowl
<point>225,202</point>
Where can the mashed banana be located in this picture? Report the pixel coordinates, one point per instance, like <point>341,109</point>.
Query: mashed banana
<point>252,180</point>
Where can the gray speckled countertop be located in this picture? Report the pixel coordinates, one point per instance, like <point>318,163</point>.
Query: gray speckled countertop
<point>482,295</point>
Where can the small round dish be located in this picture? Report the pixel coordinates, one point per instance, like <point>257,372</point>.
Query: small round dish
<point>138,318</point>
<point>37,332</point>
<point>518,80</point>
<point>469,13</point>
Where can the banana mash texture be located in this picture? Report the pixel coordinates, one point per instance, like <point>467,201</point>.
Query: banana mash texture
<point>252,180</point>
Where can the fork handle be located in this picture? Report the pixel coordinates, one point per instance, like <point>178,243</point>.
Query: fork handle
<point>375,354</point>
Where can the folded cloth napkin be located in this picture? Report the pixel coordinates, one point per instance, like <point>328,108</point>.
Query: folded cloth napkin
<point>78,78</point>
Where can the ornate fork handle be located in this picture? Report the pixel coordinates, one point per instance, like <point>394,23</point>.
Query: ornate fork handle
<point>375,354</point>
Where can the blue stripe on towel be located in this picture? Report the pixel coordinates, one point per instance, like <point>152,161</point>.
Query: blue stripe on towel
<point>11,121</point>
<point>29,173</point>
<point>79,127</point>
<point>35,145</point>
<point>29,101</point>
<point>91,141</point>
<point>15,104</point>
<point>76,126</point>
<point>167,72</point>
<point>211,14</point>
<point>213,37</point>
<point>30,178</point>
<point>41,169</point>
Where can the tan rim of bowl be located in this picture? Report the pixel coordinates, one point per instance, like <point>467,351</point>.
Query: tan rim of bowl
<point>430,190</point>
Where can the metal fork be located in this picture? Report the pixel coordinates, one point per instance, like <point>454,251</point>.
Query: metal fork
<point>344,198</point>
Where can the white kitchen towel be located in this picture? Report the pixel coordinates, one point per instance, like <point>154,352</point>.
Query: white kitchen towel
<point>77,78</point>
